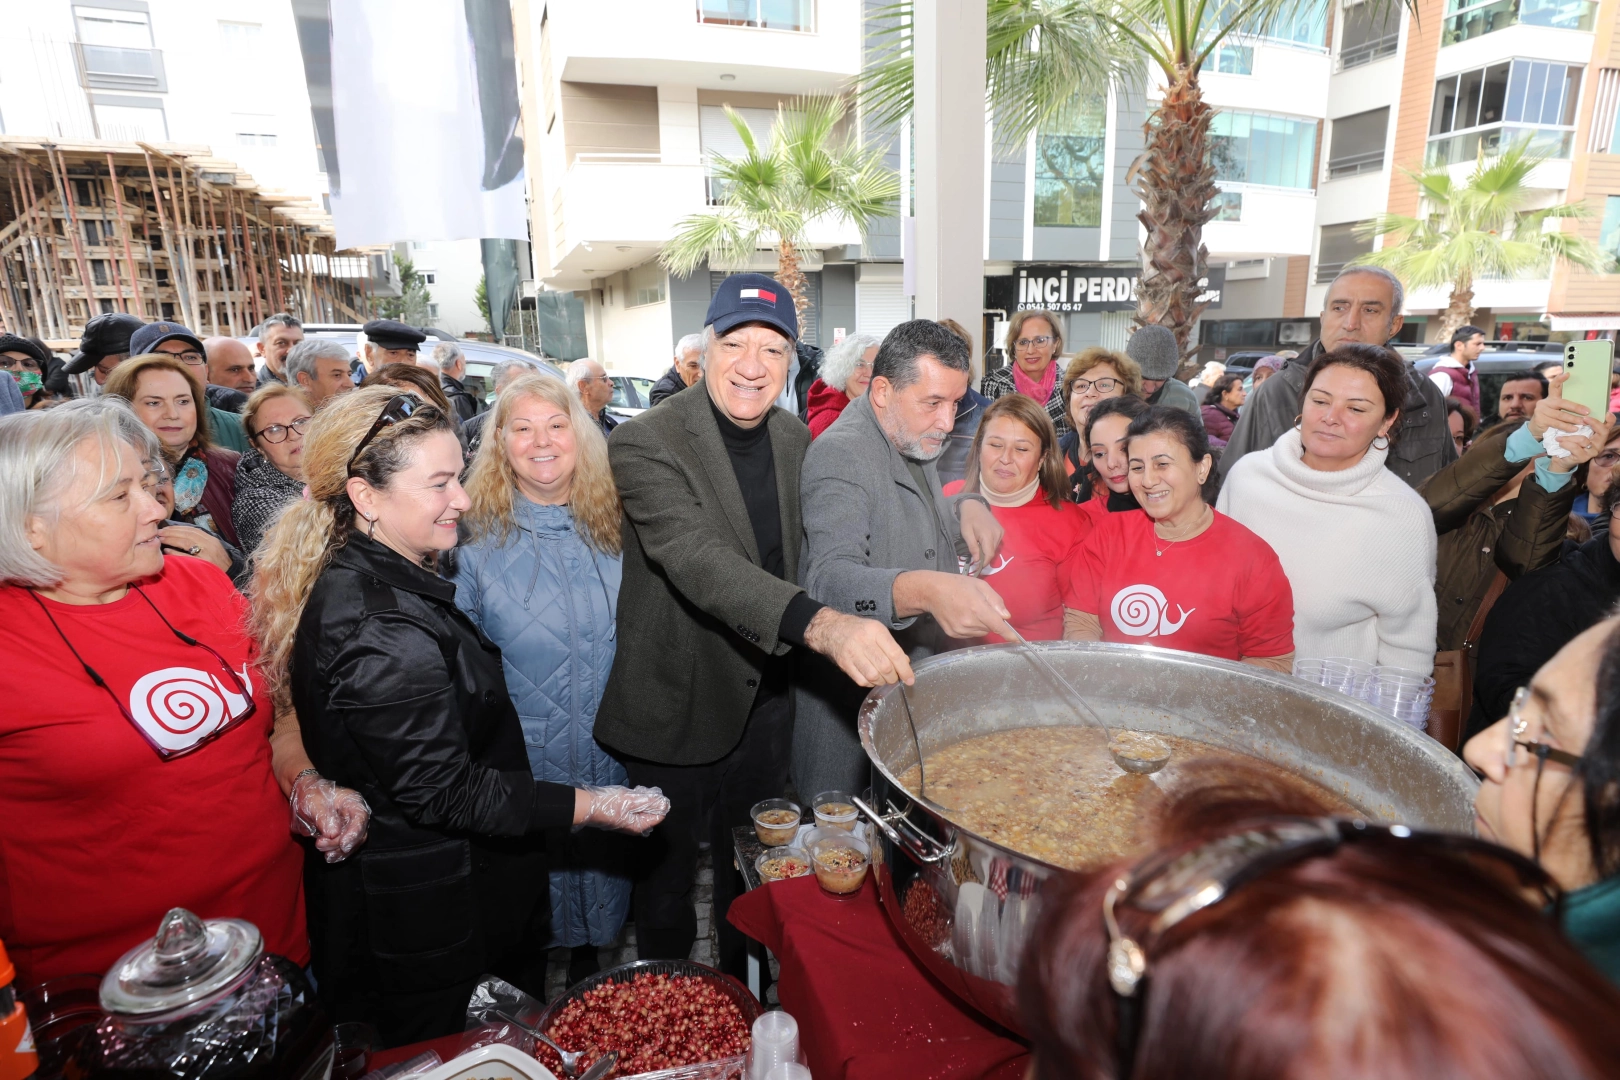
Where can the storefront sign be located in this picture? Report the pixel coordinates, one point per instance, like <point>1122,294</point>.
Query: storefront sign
<point>1081,287</point>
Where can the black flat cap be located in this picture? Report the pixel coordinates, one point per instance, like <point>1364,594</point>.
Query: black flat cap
<point>389,334</point>
<point>104,335</point>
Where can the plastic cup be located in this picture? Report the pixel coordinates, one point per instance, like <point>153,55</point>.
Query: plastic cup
<point>776,821</point>
<point>835,810</point>
<point>769,866</point>
<point>1309,670</point>
<point>841,861</point>
<point>789,1070</point>
<point>776,1043</point>
<point>353,1045</point>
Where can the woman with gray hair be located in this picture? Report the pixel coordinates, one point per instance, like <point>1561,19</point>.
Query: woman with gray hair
<point>846,372</point>
<point>151,775</point>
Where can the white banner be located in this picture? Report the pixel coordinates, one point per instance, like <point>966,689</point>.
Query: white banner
<point>428,143</point>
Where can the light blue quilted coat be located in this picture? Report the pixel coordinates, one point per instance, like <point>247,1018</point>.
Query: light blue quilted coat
<point>547,599</point>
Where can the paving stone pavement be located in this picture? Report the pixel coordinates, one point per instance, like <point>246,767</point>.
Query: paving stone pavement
<point>623,951</point>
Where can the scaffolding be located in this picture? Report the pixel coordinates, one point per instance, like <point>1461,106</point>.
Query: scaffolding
<point>162,231</point>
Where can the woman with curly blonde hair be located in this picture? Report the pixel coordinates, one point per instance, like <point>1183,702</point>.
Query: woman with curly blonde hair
<point>540,575</point>
<point>401,698</point>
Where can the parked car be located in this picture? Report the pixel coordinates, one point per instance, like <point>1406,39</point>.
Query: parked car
<point>1500,360</point>
<point>631,394</point>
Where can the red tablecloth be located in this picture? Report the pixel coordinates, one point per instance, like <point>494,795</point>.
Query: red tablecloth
<point>866,1009</point>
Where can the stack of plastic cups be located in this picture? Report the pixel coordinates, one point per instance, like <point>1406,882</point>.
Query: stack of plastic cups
<point>789,1070</point>
<point>1404,694</point>
<point>775,1044</point>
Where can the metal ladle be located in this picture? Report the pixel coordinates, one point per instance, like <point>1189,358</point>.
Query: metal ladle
<point>569,1058</point>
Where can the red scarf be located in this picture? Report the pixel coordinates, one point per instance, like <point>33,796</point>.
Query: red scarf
<point>1040,391</point>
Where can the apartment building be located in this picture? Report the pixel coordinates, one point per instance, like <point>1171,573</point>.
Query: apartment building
<point>1458,82</point>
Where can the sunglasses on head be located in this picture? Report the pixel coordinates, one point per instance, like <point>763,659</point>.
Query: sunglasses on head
<point>1166,889</point>
<point>400,407</point>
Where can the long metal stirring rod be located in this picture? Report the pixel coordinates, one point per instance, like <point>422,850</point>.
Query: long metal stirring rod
<point>1074,699</point>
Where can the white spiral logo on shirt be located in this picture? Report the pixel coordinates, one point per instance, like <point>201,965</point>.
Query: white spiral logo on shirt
<point>179,707</point>
<point>1142,611</point>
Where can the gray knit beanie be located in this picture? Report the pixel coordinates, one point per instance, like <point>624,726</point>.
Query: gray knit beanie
<point>1154,350</point>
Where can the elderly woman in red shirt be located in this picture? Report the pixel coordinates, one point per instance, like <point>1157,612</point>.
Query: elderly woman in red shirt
<point>1015,465</point>
<point>151,775</point>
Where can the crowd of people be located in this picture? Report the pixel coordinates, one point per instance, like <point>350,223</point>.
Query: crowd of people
<point>346,651</point>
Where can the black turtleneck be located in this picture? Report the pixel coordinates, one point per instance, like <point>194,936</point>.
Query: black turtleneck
<point>754,465</point>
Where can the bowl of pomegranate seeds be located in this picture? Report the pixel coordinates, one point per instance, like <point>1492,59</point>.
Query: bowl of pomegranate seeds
<point>667,1019</point>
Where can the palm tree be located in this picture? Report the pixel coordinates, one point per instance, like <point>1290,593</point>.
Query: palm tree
<point>1478,228</point>
<point>1044,57</point>
<point>771,194</point>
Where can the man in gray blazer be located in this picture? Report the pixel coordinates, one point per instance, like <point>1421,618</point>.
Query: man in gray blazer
<point>880,539</point>
<point>698,699</point>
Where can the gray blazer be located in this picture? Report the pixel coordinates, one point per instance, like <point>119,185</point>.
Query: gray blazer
<point>865,523</point>
<point>697,614</point>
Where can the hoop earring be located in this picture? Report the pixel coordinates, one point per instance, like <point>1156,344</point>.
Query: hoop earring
<point>371,526</point>
<point>1297,421</point>
<point>1385,438</point>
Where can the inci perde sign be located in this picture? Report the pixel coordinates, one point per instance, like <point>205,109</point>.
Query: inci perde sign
<point>1080,287</point>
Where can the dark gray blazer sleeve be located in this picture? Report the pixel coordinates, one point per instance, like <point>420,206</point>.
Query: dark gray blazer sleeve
<point>681,535</point>
<point>837,559</point>
<point>1269,412</point>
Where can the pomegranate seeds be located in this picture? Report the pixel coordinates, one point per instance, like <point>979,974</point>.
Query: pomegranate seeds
<point>654,1021</point>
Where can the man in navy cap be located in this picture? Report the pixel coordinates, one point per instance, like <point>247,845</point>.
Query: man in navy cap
<point>186,347</point>
<point>389,342</point>
<point>709,609</point>
<point>103,345</point>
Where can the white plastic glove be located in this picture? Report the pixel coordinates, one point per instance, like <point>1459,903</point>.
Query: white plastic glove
<point>337,817</point>
<point>631,810</point>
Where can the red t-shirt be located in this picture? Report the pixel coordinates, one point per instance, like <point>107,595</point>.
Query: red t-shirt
<point>1032,572</point>
<point>1222,593</point>
<point>101,835</point>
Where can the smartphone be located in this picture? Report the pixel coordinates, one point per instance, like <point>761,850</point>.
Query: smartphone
<point>1588,364</point>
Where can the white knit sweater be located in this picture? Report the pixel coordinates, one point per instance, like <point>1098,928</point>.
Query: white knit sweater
<point>1358,547</point>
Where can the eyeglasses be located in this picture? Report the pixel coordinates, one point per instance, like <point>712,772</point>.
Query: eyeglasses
<point>1518,725</point>
<point>18,363</point>
<point>1607,459</point>
<point>1102,386</point>
<point>239,687</point>
<point>400,407</point>
<point>190,358</point>
<point>276,433</point>
<point>1167,889</point>
<point>1033,342</point>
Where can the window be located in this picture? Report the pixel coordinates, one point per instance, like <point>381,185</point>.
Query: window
<point>765,14</point>
<point>1069,172</point>
<point>1235,59</point>
<point>430,277</point>
<point>1468,19</point>
<point>1228,206</point>
<point>1609,231</point>
<point>1256,148</point>
<point>114,50</point>
<point>717,136</point>
<point>255,139</point>
<point>241,37</point>
<point>1307,25</point>
<point>1358,143</point>
<point>1339,247</point>
<point>1605,137</point>
<point>433,310</point>
<point>646,286</point>
<point>124,121</point>
<point>1252,332</point>
<point>92,234</point>
<point>1372,30</point>
<point>1516,101</point>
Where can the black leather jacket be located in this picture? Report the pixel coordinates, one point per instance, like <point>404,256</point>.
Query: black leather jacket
<point>403,699</point>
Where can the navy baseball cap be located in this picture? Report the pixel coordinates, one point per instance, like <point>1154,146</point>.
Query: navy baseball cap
<point>152,335</point>
<point>746,298</point>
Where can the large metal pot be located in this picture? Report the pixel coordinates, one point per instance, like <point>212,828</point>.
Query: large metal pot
<point>970,933</point>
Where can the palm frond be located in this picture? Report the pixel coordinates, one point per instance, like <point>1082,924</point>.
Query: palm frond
<point>720,236</point>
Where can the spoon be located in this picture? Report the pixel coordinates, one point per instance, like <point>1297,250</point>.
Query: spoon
<point>570,1058</point>
<point>1139,752</point>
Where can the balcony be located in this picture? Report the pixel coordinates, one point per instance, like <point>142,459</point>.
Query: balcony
<point>794,15</point>
<point>107,67</point>
<point>1489,141</point>
<point>1367,51</point>
<point>1481,19</point>
<point>1355,164</point>
<point>1258,221</point>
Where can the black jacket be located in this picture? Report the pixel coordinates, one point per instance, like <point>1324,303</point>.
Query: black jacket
<point>403,699</point>
<point>461,399</point>
<point>670,384</point>
<point>1539,614</point>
